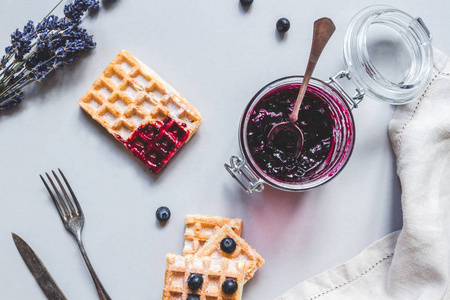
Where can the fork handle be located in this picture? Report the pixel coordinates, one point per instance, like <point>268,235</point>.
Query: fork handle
<point>102,294</point>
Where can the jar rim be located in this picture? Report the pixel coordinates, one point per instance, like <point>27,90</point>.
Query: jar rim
<point>296,186</point>
<point>412,31</point>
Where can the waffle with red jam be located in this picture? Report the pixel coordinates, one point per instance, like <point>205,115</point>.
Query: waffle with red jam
<point>141,110</point>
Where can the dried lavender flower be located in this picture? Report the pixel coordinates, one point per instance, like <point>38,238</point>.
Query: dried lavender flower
<point>38,50</point>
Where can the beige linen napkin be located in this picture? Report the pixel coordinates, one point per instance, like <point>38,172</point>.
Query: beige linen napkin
<point>414,262</point>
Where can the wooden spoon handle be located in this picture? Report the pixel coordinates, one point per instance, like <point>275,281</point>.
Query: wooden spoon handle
<point>323,30</point>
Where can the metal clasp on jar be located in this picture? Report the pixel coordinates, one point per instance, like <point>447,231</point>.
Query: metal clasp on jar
<point>240,171</point>
<point>351,101</point>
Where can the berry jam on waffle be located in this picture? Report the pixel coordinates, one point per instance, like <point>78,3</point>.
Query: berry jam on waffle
<point>156,143</point>
<point>141,110</point>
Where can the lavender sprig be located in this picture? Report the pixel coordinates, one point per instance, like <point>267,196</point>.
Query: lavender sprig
<point>36,51</point>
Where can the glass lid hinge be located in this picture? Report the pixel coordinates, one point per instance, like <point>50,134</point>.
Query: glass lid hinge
<point>248,181</point>
<point>352,101</point>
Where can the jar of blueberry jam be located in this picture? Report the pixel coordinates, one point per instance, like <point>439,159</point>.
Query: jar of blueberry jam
<point>396,75</point>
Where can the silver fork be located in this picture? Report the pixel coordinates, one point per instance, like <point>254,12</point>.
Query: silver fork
<point>73,220</point>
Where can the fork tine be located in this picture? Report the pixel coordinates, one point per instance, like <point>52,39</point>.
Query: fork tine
<point>72,208</point>
<point>61,213</point>
<point>61,200</point>
<point>80,211</point>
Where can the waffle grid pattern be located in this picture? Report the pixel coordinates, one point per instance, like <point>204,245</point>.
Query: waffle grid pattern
<point>243,251</point>
<point>200,228</point>
<point>213,271</point>
<point>129,94</point>
<point>156,143</point>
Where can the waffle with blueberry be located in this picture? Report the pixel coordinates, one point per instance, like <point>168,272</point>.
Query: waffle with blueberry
<point>216,261</point>
<point>141,110</point>
<point>199,228</point>
<point>227,244</point>
<point>203,278</point>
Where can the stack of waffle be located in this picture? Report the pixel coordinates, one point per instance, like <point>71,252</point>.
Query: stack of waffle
<point>203,256</point>
<point>141,110</point>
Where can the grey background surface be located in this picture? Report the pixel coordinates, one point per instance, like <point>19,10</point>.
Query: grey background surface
<point>218,55</point>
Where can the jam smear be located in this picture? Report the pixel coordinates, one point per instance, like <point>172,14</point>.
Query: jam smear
<point>315,122</point>
<point>155,143</point>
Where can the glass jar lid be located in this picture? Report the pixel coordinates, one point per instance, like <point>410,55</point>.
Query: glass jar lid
<point>388,54</point>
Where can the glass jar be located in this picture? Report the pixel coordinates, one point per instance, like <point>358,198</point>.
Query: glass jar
<point>387,55</point>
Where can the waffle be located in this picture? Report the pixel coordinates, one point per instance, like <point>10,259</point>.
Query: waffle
<point>141,110</point>
<point>200,228</point>
<point>242,251</point>
<point>213,271</point>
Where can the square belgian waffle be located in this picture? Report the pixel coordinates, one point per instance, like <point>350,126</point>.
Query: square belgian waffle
<point>213,271</point>
<point>141,110</point>
<point>243,251</point>
<point>200,228</point>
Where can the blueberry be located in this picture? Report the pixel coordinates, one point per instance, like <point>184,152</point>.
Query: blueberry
<point>193,297</point>
<point>163,214</point>
<point>283,25</point>
<point>246,2</point>
<point>195,281</point>
<point>229,286</point>
<point>228,245</point>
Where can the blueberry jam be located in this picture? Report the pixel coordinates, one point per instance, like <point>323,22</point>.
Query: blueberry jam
<point>155,143</point>
<point>315,122</point>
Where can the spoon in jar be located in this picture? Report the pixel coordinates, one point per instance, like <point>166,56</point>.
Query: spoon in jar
<point>287,134</point>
